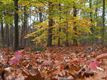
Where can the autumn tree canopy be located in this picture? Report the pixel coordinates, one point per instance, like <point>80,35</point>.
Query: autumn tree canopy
<point>52,22</point>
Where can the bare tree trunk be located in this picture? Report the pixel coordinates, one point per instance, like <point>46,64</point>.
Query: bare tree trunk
<point>103,18</point>
<point>40,15</point>
<point>11,35</point>
<point>16,17</point>
<point>50,24</point>
<point>7,36</point>
<point>67,41</point>
<point>24,29</point>
<point>2,33</point>
<point>59,30</point>
<point>91,19</point>
<point>90,5</point>
<point>75,42</point>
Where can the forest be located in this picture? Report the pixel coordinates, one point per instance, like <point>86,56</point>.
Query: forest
<point>53,39</point>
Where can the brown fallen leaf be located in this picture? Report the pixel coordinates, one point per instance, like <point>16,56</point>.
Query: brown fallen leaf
<point>102,56</point>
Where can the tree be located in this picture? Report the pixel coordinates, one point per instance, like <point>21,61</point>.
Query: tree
<point>16,42</point>
<point>24,27</point>
<point>1,23</point>
<point>59,30</point>
<point>75,42</point>
<point>103,21</point>
<point>40,14</point>
<point>50,24</point>
<point>91,19</point>
<point>67,40</point>
<point>7,36</point>
<point>2,32</point>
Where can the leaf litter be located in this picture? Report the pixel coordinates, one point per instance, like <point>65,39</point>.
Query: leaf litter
<point>56,63</point>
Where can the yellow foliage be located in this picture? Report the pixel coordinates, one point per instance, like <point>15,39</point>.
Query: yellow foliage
<point>85,23</point>
<point>24,3</point>
<point>37,4</point>
<point>43,24</point>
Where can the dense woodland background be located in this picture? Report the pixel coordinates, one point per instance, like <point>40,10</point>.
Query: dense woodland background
<point>40,23</point>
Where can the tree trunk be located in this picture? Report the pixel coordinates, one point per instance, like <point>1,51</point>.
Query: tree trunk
<point>11,36</point>
<point>50,24</point>
<point>90,5</point>
<point>2,33</point>
<point>24,29</point>
<point>75,42</point>
<point>103,18</point>
<point>16,42</point>
<point>96,18</point>
<point>91,19</point>
<point>59,30</point>
<point>67,41</point>
<point>40,15</point>
<point>7,36</point>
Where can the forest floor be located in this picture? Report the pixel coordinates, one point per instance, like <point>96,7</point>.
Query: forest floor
<point>56,63</point>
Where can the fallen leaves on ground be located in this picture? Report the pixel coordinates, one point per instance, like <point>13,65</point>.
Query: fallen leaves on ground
<point>57,63</point>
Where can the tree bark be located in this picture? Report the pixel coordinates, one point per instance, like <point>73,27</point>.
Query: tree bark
<point>50,24</point>
<point>91,19</point>
<point>59,30</point>
<point>40,15</point>
<point>24,29</point>
<point>2,33</point>
<point>67,41</point>
<point>16,42</point>
<point>75,42</point>
<point>11,35</point>
<point>103,21</point>
<point>7,36</point>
